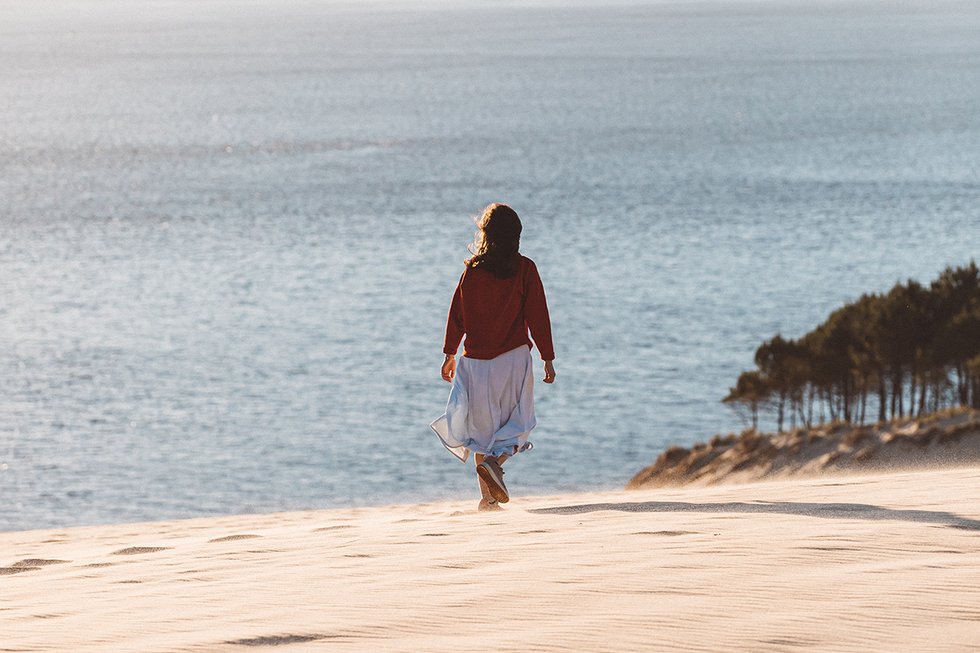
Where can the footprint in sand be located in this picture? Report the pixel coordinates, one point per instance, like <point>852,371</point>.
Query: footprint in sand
<point>29,564</point>
<point>7,571</point>
<point>135,550</point>
<point>666,533</point>
<point>234,538</point>
<point>38,562</point>
<point>279,640</point>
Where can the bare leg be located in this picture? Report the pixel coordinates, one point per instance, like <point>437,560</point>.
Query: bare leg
<point>501,459</point>
<point>484,492</point>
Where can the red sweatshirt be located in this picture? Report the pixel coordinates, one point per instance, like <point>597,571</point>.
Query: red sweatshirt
<point>495,314</point>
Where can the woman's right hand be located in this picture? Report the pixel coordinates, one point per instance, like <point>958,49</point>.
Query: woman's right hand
<point>449,368</point>
<point>549,371</point>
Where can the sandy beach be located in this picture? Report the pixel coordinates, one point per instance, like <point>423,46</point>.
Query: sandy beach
<point>863,563</point>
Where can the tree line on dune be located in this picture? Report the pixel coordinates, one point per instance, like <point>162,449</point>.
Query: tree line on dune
<point>912,350</point>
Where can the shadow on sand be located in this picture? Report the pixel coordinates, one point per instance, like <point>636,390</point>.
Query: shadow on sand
<point>822,510</point>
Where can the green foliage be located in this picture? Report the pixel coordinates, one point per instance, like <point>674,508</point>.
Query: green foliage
<point>914,349</point>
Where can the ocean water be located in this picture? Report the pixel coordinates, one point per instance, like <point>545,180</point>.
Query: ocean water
<point>230,230</point>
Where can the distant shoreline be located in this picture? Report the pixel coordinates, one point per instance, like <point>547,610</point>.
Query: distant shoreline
<point>946,438</point>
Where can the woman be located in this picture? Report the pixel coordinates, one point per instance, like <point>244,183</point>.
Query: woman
<point>499,298</point>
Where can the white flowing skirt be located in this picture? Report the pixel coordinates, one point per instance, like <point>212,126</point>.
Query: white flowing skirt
<point>491,406</point>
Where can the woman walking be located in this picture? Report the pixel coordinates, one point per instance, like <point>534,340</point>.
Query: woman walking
<point>499,299</point>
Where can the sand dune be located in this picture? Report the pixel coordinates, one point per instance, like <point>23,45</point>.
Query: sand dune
<point>866,563</point>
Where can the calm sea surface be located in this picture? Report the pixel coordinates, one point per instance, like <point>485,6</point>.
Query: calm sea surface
<point>229,231</point>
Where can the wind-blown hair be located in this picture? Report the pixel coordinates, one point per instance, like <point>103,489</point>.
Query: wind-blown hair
<point>496,246</point>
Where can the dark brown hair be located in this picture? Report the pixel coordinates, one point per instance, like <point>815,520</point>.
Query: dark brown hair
<point>496,246</point>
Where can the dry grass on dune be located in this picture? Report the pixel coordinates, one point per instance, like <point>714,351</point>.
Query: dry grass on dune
<point>948,438</point>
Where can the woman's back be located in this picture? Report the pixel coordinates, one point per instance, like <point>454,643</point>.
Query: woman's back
<point>495,313</point>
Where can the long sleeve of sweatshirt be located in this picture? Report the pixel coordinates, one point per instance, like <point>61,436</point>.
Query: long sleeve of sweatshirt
<point>536,314</point>
<point>454,324</point>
